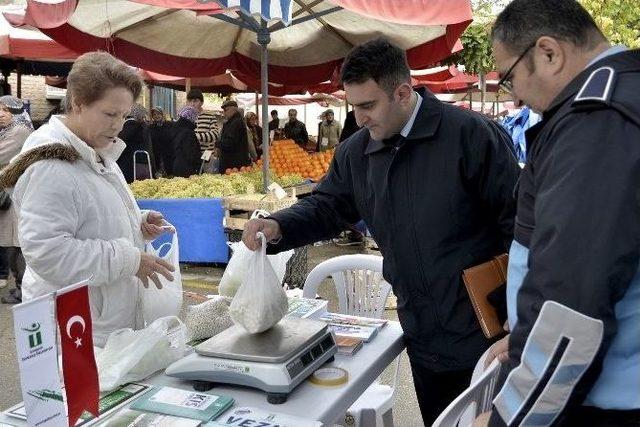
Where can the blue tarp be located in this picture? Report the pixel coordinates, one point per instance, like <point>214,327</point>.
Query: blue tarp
<point>199,224</point>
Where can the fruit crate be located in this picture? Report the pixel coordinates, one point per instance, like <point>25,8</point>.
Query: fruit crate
<point>301,189</point>
<point>238,208</point>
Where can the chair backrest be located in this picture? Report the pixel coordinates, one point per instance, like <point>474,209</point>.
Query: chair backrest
<point>479,394</point>
<point>358,279</point>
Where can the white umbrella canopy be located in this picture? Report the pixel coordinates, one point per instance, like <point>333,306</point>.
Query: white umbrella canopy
<point>189,43</point>
<point>199,38</point>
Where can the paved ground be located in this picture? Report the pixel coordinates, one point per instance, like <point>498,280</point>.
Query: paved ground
<point>202,279</point>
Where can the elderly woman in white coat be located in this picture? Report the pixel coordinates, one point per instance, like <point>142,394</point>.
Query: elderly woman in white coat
<point>78,219</point>
<point>14,130</point>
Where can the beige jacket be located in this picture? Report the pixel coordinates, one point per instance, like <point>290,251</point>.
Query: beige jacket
<point>10,146</point>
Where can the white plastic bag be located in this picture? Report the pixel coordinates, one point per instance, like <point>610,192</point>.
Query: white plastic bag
<point>134,355</point>
<point>236,269</point>
<point>239,265</point>
<point>260,302</point>
<point>167,301</point>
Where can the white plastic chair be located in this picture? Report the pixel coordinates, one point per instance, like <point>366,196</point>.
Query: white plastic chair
<point>361,292</point>
<point>476,399</point>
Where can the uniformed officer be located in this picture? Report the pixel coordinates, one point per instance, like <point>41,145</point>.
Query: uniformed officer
<point>573,286</point>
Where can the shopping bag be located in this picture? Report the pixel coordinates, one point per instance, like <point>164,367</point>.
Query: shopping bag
<point>239,265</point>
<point>236,269</point>
<point>132,355</point>
<point>260,302</point>
<point>167,301</point>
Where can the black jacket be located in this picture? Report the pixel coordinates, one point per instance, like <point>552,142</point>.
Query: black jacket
<point>161,134</point>
<point>579,216</point>
<point>186,148</point>
<point>440,202</point>
<point>296,131</point>
<point>234,145</point>
<point>135,136</point>
<point>350,126</point>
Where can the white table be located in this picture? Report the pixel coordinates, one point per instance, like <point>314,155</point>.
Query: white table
<point>310,401</point>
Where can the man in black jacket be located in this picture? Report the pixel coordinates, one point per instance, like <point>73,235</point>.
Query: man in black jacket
<point>296,130</point>
<point>434,184</point>
<point>574,285</point>
<point>234,145</point>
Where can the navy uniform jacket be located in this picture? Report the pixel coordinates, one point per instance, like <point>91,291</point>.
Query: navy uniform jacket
<point>577,336</point>
<point>437,202</point>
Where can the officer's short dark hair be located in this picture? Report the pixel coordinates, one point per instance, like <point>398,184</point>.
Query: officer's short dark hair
<point>274,112</point>
<point>523,22</point>
<point>379,60</point>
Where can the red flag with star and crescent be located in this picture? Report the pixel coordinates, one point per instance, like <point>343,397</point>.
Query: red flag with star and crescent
<point>78,361</point>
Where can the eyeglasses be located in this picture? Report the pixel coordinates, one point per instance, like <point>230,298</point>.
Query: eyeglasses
<point>505,82</point>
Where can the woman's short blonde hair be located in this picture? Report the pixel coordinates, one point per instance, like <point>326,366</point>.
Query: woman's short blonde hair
<point>93,73</point>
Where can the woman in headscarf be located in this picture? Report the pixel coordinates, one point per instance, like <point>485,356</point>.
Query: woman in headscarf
<point>135,135</point>
<point>186,148</point>
<point>14,130</point>
<point>78,220</point>
<point>160,134</point>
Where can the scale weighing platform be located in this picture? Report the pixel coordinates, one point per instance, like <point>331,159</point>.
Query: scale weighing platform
<point>274,361</point>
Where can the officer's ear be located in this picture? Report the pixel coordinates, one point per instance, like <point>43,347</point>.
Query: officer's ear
<point>549,55</point>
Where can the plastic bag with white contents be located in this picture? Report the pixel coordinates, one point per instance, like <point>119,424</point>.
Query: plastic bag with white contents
<point>260,302</point>
<point>235,271</point>
<point>132,355</point>
<point>239,265</point>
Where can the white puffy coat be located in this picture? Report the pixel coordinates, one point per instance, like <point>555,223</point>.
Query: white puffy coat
<point>77,221</point>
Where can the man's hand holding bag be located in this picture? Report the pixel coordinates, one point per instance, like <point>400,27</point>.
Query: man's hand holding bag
<point>260,302</point>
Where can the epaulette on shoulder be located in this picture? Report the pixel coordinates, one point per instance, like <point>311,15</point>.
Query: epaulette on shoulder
<point>598,87</point>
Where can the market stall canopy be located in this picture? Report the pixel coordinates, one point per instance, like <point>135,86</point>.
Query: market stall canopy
<point>458,82</point>
<point>225,83</point>
<point>323,99</point>
<point>30,44</point>
<point>34,52</point>
<point>203,39</point>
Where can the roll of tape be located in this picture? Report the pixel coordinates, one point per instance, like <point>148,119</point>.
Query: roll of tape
<point>329,376</point>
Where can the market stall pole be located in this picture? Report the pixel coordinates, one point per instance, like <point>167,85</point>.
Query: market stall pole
<point>264,37</point>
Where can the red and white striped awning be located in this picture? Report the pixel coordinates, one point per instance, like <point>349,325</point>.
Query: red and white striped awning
<point>198,39</point>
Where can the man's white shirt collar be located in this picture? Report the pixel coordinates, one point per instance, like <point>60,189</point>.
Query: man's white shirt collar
<point>407,127</point>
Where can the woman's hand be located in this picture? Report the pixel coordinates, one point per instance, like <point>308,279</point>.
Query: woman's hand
<point>150,267</point>
<point>154,225</point>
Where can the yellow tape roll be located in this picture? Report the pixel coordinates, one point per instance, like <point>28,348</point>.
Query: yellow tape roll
<point>329,376</point>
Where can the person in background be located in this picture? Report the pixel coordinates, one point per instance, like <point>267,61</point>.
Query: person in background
<point>14,130</point>
<point>234,144</point>
<point>136,137</point>
<point>296,130</point>
<point>207,125</point>
<point>77,218</point>
<point>275,121</point>
<point>186,149</point>
<point>160,132</point>
<point>350,126</point>
<point>330,131</point>
<point>322,118</point>
<point>434,185</point>
<point>255,135</point>
<point>573,285</point>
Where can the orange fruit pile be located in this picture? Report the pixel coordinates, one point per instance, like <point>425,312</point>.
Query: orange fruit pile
<point>287,157</point>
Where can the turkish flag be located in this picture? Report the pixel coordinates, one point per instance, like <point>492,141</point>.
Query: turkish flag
<point>78,362</point>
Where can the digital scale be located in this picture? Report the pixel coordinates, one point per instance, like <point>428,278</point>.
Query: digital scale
<point>274,361</point>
